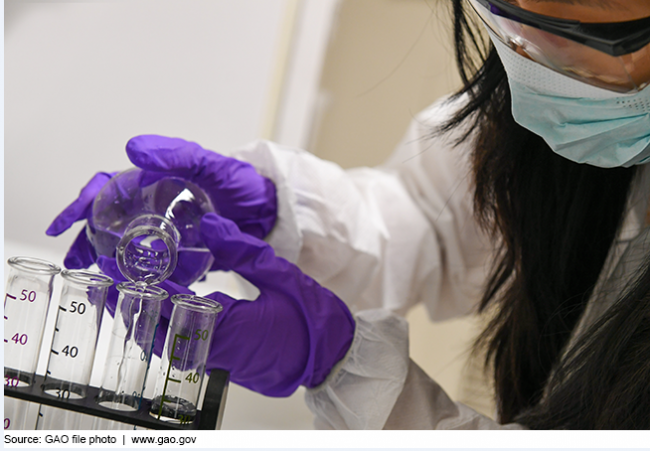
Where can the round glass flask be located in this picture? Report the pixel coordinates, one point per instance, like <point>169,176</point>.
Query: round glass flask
<point>150,223</point>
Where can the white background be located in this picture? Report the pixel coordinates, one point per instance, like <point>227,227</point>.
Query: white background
<point>81,78</point>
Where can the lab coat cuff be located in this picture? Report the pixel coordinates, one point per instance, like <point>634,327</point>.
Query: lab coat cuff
<point>362,388</point>
<point>274,162</point>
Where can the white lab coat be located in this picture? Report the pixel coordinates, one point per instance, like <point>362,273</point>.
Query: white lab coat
<point>384,239</point>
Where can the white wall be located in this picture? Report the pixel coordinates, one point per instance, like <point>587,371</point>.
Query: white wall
<point>81,78</point>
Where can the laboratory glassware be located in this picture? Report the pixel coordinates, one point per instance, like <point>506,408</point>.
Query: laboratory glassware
<point>149,225</point>
<point>129,352</point>
<point>27,300</point>
<point>74,342</point>
<point>183,361</point>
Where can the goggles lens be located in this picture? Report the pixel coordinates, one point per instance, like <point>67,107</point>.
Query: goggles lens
<point>625,73</point>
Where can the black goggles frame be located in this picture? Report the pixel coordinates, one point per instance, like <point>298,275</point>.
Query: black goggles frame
<point>615,38</point>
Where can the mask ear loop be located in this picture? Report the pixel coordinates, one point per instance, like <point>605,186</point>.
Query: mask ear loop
<point>629,61</point>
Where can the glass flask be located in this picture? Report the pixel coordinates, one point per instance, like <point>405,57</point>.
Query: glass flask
<point>151,224</point>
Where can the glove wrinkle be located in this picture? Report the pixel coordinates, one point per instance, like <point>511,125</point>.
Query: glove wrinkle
<point>80,208</point>
<point>235,188</point>
<point>296,330</point>
<point>81,254</point>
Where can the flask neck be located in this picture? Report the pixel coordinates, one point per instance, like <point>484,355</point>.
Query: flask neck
<point>148,251</point>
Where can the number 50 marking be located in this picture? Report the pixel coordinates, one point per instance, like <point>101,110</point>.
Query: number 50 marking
<point>201,334</point>
<point>28,295</point>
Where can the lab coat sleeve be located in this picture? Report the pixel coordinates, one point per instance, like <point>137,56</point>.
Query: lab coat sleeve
<point>386,237</point>
<point>423,404</point>
<point>376,386</point>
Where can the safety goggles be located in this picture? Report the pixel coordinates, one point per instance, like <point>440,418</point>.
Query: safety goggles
<point>614,56</point>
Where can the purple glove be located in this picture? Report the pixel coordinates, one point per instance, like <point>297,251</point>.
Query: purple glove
<point>81,254</point>
<point>235,188</point>
<point>292,334</point>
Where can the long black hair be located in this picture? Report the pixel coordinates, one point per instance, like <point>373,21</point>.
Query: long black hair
<point>556,221</point>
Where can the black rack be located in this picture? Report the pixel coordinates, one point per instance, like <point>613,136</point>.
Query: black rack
<point>208,418</point>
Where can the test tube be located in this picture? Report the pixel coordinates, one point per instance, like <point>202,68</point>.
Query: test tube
<point>72,353</point>
<point>130,350</point>
<point>182,366</point>
<point>27,300</point>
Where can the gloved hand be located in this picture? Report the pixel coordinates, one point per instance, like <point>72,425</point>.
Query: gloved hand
<point>293,334</point>
<point>236,190</point>
<point>81,254</point>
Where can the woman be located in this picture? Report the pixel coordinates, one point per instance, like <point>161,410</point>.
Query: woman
<point>524,194</point>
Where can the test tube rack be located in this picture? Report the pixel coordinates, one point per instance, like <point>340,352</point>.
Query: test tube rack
<point>208,418</point>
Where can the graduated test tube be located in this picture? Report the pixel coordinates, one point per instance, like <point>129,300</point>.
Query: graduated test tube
<point>27,299</point>
<point>131,347</point>
<point>184,357</point>
<point>72,353</point>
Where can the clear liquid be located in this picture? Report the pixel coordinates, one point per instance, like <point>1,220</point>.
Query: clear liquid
<point>192,264</point>
<point>147,256</point>
<point>174,409</point>
<point>126,403</point>
<point>181,202</point>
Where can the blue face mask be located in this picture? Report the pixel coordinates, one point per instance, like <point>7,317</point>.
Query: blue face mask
<point>581,122</point>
